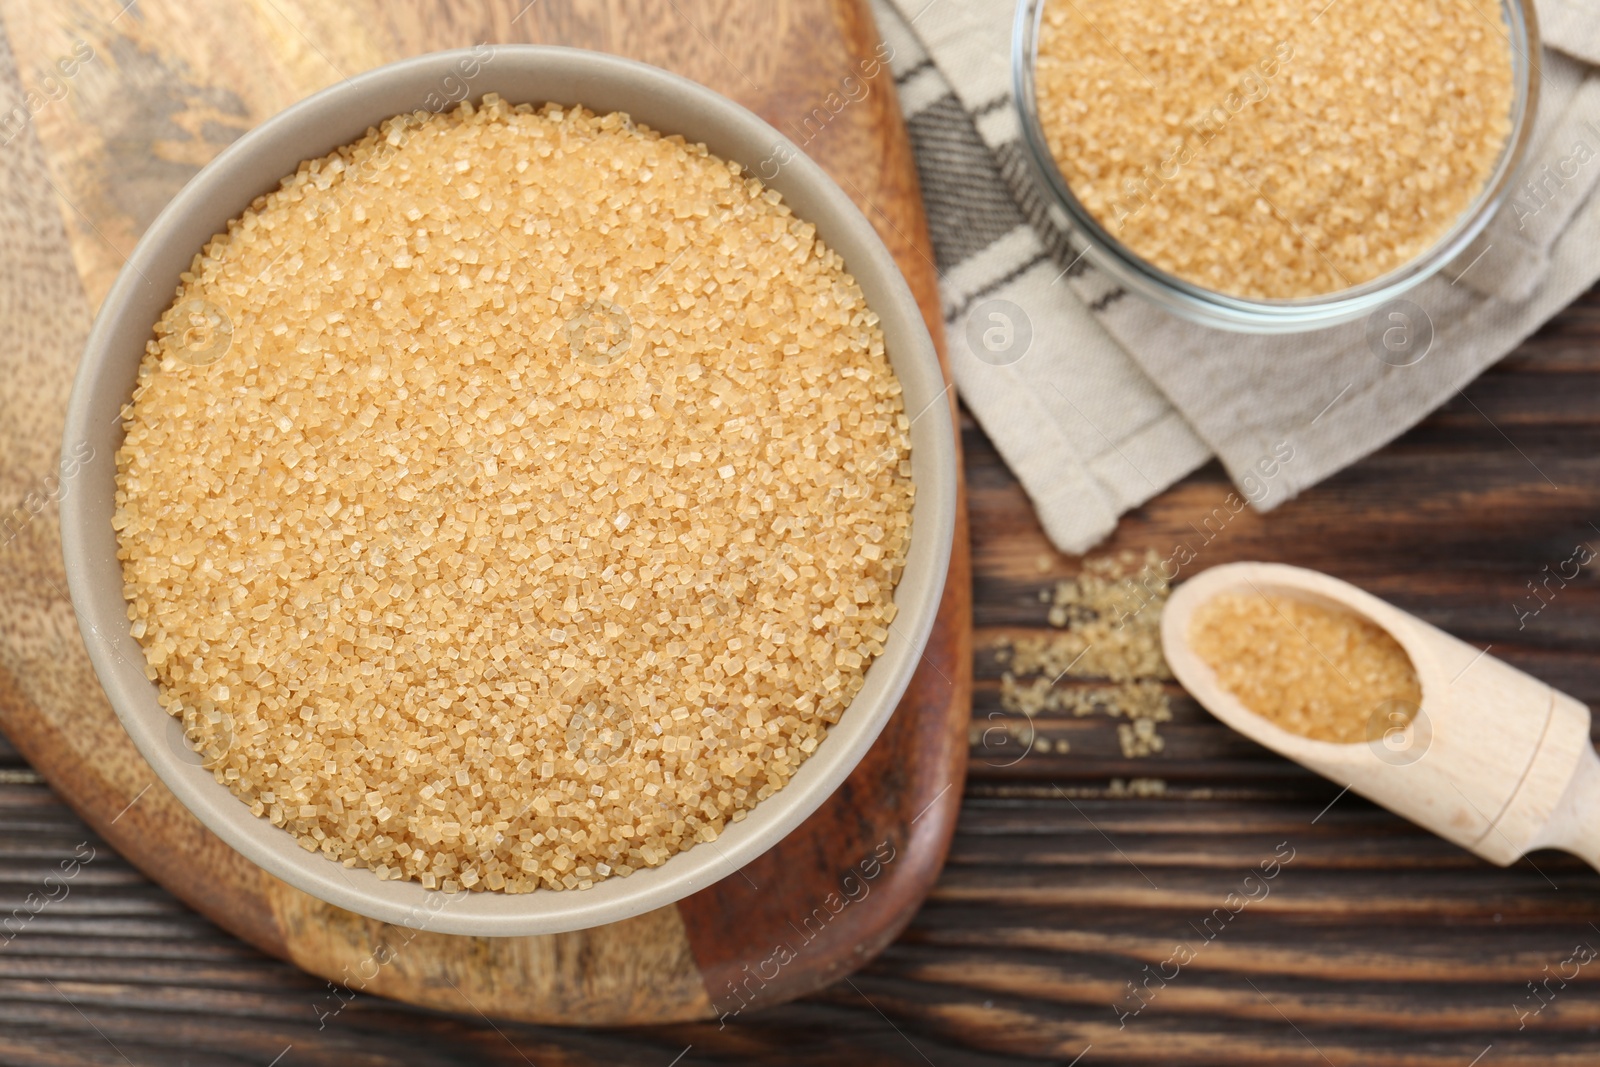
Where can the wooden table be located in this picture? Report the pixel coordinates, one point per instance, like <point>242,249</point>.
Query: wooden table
<point>1378,944</point>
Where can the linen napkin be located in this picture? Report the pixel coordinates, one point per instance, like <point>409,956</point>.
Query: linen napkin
<point>1098,399</point>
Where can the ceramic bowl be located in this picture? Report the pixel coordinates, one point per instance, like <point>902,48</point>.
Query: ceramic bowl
<point>254,165</point>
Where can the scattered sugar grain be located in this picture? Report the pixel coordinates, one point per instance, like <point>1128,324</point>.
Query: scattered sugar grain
<point>1111,615</point>
<point>1137,787</point>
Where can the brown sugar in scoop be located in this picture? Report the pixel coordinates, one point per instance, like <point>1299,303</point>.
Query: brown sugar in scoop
<point>1456,740</point>
<point>1320,672</point>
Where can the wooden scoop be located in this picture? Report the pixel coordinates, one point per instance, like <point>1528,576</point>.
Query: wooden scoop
<point>1495,760</point>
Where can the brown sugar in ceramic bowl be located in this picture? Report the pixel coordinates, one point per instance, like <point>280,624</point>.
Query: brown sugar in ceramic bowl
<point>340,116</point>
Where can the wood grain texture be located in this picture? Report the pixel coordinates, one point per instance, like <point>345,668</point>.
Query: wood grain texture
<point>155,90</point>
<point>1378,945</point>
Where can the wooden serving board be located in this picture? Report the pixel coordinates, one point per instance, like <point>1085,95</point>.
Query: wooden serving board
<point>121,106</point>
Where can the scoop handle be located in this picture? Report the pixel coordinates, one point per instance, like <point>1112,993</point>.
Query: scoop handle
<point>1556,800</point>
<point>1574,824</point>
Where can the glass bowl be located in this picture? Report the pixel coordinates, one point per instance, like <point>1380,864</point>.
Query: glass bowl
<point>1258,314</point>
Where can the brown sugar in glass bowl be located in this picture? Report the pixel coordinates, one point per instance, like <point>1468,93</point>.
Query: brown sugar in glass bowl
<point>516,499</point>
<point>1274,168</point>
